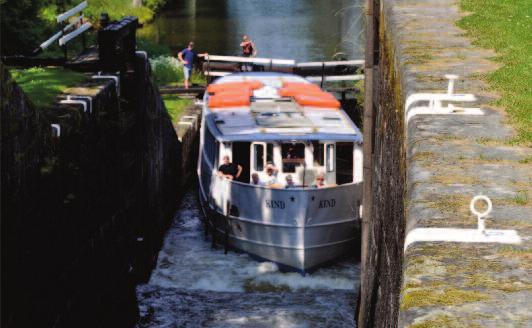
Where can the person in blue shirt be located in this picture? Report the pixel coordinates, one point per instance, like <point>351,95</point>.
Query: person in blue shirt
<point>187,57</point>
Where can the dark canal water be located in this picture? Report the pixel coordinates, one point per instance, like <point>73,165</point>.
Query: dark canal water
<point>295,29</point>
<point>194,285</point>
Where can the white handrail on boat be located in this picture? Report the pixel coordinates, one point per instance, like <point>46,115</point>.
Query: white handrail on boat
<point>71,12</point>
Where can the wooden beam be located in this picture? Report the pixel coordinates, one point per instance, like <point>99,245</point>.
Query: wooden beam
<point>355,62</point>
<point>335,78</point>
<point>211,73</point>
<point>56,36</point>
<point>69,13</point>
<point>251,60</point>
<point>366,279</point>
<point>74,33</point>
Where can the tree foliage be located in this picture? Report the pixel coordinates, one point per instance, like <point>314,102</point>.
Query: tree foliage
<point>22,28</point>
<point>27,23</point>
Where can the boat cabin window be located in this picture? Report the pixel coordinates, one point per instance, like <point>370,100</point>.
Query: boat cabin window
<point>344,162</point>
<point>269,153</point>
<point>293,155</point>
<point>318,153</point>
<point>258,153</point>
<point>330,158</point>
<point>210,146</point>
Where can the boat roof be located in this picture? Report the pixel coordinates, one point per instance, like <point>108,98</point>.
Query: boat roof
<point>270,116</point>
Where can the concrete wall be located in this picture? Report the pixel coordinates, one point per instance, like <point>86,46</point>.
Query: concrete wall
<point>83,215</point>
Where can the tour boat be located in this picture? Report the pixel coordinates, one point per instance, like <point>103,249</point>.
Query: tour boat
<point>280,122</point>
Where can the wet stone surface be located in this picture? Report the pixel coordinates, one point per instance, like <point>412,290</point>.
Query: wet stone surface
<point>194,285</point>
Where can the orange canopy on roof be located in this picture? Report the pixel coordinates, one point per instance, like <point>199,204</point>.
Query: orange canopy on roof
<point>324,100</point>
<point>229,100</point>
<point>293,91</point>
<point>234,92</point>
<point>301,85</point>
<point>215,88</point>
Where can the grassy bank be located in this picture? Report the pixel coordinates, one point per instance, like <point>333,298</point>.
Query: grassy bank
<point>43,85</point>
<point>175,106</point>
<point>506,26</point>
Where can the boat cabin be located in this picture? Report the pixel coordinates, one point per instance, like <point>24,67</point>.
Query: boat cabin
<point>283,122</point>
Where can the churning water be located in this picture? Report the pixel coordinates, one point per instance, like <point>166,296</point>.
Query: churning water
<point>195,285</point>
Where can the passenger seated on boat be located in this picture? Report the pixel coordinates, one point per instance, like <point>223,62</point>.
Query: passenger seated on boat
<point>255,180</point>
<point>271,175</point>
<point>319,182</point>
<point>289,182</point>
<point>229,170</point>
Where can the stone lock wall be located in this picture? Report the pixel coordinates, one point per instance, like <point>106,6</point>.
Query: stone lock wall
<point>387,223</point>
<point>83,215</point>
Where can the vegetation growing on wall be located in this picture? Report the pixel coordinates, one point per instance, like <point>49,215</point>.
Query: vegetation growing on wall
<point>43,85</point>
<point>506,26</point>
<point>175,106</point>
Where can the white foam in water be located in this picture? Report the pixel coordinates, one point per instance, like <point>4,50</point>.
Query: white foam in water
<point>187,261</point>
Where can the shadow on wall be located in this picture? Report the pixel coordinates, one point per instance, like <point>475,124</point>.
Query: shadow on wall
<point>83,215</point>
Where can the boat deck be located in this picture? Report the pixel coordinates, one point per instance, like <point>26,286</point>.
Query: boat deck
<point>270,113</point>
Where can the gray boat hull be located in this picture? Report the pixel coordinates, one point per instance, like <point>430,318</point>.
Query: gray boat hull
<point>305,229</point>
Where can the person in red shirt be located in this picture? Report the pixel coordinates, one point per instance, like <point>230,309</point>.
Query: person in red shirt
<point>248,50</point>
<point>248,47</point>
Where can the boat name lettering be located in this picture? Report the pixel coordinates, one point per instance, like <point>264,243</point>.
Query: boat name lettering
<point>326,203</point>
<point>275,204</point>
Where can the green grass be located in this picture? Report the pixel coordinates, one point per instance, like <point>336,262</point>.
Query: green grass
<point>43,85</point>
<point>521,197</point>
<point>175,106</point>
<point>506,27</point>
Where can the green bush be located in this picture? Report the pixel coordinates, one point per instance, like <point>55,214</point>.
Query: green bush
<point>22,30</point>
<point>167,70</point>
<point>118,9</point>
<point>154,5</point>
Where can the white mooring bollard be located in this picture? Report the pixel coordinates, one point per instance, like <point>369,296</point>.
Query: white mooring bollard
<point>479,235</point>
<point>483,215</point>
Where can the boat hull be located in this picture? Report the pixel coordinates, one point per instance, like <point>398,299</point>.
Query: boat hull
<point>300,238</point>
